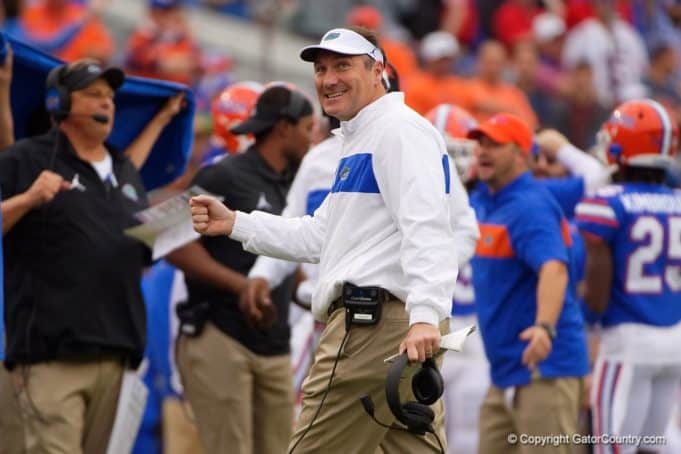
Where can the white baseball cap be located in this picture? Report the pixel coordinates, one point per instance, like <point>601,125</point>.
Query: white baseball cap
<point>547,26</point>
<point>342,41</point>
<point>437,45</point>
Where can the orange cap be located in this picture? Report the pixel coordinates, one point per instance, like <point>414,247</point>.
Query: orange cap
<point>505,128</point>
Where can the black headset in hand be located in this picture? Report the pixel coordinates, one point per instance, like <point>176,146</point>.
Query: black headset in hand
<point>427,386</point>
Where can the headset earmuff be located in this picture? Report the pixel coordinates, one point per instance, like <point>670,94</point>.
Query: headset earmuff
<point>427,386</point>
<point>57,97</point>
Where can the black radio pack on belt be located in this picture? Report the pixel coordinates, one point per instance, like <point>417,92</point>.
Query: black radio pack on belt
<point>362,304</point>
<point>362,307</point>
<point>192,317</point>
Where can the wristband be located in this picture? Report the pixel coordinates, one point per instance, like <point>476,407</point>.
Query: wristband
<point>550,329</point>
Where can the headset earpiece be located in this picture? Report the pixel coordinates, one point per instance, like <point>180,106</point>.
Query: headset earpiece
<point>421,416</point>
<point>57,97</point>
<point>427,386</point>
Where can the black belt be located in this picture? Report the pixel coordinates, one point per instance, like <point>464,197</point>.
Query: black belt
<point>383,296</point>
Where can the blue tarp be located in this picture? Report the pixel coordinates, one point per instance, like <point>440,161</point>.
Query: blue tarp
<point>136,103</point>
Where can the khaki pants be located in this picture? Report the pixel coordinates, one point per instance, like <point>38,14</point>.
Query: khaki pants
<point>547,406</point>
<point>342,426</point>
<point>11,426</point>
<point>68,407</point>
<point>180,435</point>
<point>243,402</point>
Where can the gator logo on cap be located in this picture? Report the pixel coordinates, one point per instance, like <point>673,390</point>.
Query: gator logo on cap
<point>331,36</point>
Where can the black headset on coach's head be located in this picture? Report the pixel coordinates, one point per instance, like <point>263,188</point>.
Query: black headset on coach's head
<point>427,386</point>
<point>58,96</point>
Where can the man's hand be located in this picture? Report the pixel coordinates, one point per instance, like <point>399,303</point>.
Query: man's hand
<point>172,107</point>
<point>45,188</point>
<point>539,345</point>
<point>550,141</point>
<point>422,341</point>
<point>256,305</point>
<point>210,216</point>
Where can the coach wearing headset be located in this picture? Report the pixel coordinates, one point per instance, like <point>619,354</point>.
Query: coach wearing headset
<point>73,305</point>
<point>387,222</point>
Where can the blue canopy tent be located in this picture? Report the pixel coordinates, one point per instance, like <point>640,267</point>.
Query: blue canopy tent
<point>137,101</point>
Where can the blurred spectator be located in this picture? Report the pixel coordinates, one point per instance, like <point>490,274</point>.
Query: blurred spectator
<point>513,21</point>
<point>660,81</point>
<point>659,22</point>
<point>435,84</point>
<point>460,18</point>
<point>578,10</point>
<point>421,17</point>
<point>87,36</point>
<point>580,116</point>
<point>490,94</point>
<point>486,10</point>
<point>162,47</point>
<point>548,30</point>
<point>613,49</point>
<point>526,64</point>
<point>398,53</point>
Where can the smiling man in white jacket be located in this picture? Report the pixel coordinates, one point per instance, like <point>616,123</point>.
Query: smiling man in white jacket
<point>387,222</point>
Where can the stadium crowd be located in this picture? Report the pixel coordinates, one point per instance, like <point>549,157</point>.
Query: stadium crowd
<point>561,120</point>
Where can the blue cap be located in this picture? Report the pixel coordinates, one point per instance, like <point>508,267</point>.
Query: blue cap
<point>164,4</point>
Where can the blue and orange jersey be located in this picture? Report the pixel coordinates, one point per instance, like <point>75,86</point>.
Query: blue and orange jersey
<point>567,191</point>
<point>642,225</point>
<point>577,270</point>
<point>92,38</point>
<point>522,228</point>
<point>148,47</point>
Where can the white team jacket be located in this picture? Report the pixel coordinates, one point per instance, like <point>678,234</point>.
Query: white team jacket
<point>313,181</point>
<point>389,221</point>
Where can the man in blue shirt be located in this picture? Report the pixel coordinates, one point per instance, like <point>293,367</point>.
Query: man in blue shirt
<point>531,326</point>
